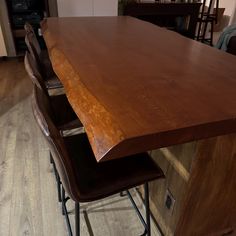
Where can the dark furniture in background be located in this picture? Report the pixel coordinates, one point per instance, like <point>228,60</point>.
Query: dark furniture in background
<point>42,58</point>
<point>208,17</point>
<point>21,11</point>
<point>232,46</point>
<point>164,14</point>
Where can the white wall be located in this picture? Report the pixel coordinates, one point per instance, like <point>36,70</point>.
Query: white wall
<point>230,9</point>
<point>105,7</point>
<point>87,7</point>
<point>233,17</point>
<point>233,14</point>
<point>229,6</point>
<point>3,51</point>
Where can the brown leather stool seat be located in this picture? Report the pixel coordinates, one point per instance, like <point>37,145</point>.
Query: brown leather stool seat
<point>98,180</point>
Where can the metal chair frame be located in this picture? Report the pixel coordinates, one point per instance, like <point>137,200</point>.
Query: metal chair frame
<point>63,200</point>
<point>146,224</point>
<point>205,19</point>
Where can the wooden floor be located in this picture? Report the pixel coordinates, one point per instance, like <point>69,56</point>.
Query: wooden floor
<point>28,197</point>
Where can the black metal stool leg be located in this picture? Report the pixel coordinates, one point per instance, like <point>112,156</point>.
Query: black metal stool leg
<point>77,219</point>
<point>63,199</point>
<point>57,177</point>
<point>212,30</point>
<point>146,224</point>
<point>147,209</point>
<point>65,212</point>
<point>204,32</point>
<point>51,160</point>
<point>58,186</point>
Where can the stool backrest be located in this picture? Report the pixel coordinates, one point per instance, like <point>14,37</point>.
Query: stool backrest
<point>208,9</point>
<point>44,117</point>
<point>28,28</point>
<point>34,72</point>
<point>35,51</point>
<point>31,38</point>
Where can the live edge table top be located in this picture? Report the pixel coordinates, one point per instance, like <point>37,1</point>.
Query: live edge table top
<point>138,87</point>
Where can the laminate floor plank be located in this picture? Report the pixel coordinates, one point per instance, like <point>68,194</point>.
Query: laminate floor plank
<point>28,195</point>
<point>53,222</point>
<point>8,130</point>
<point>25,201</point>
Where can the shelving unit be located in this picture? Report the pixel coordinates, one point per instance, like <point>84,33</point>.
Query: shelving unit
<point>178,16</point>
<point>21,11</point>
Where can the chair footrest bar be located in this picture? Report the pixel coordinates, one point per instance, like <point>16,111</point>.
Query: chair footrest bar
<point>65,212</point>
<point>67,219</point>
<point>137,211</point>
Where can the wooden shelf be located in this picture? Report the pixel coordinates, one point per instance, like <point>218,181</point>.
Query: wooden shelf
<point>19,33</point>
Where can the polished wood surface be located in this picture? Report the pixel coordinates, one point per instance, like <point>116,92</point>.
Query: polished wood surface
<point>138,87</point>
<point>176,162</point>
<point>211,191</point>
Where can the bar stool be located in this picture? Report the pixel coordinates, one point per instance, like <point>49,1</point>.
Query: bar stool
<point>84,179</point>
<point>42,58</point>
<point>28,28</point>
<point>64,116</point>
<point>207,19</point>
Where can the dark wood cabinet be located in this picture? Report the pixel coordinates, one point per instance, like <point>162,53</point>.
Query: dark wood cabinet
<point>21,11</point>
<point>181,17</point>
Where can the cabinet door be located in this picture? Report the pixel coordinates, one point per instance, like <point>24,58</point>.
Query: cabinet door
<point>3,51</point>
<point>75,8</point>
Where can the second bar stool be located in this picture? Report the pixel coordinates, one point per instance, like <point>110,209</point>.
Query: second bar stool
<point>85,180</point>
<point>42,58</point>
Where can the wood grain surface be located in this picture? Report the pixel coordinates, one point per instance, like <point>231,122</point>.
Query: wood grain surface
<point>138,87</point>
<point>176,162</point>
<point>209,205</point>
<point>204,204</point>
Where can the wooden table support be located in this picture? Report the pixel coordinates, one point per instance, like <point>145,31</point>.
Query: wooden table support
<point>204,202</point>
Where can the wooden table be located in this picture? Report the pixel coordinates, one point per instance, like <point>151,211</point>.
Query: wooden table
<point>158,10</point>
<point>138,87</point>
